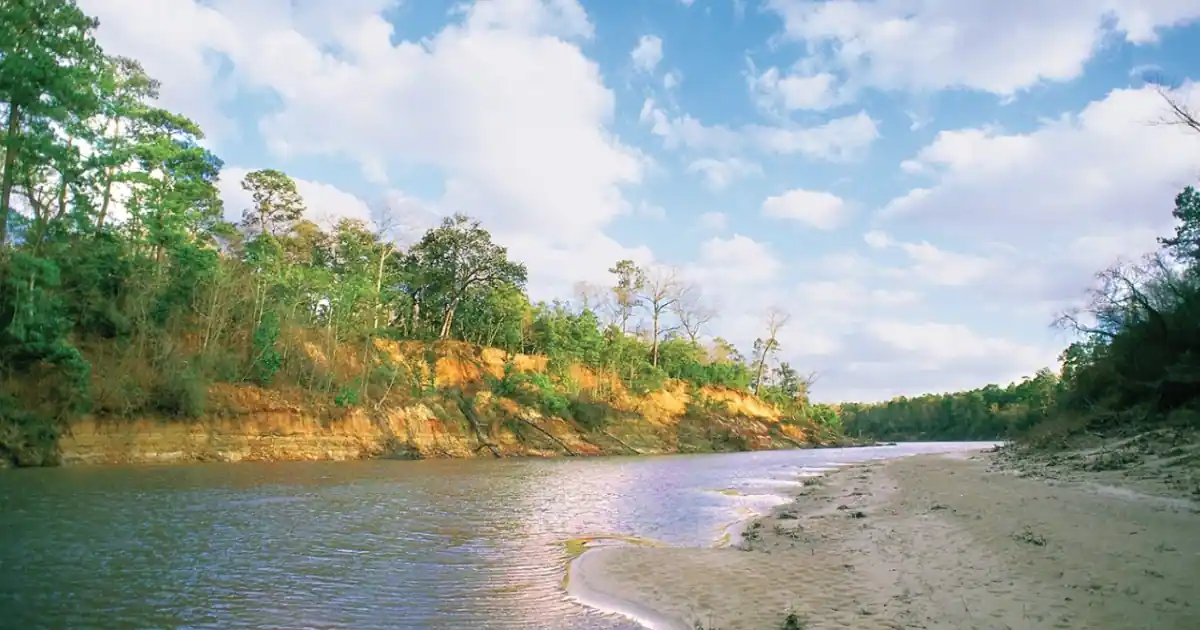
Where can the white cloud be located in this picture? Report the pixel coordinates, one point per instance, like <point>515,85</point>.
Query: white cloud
<point>844,298</point>
<point>999,47</point>
<point>818,209</point>
<point>877,239</point>
<point>774,90</point>
<point>839,139</point>
<point>737,259</point>
<point>713,221</point>
<point>647,54</point>
<point>720,173</point>
<point>1105,169</point>
<point>652,211</point>
<point>933,265</point>
<point>933,345</point>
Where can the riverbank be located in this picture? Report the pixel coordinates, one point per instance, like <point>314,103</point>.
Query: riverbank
<point>480,408</point>
<point>950,542</point>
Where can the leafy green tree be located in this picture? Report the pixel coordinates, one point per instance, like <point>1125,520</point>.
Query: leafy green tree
<point>631,279</point>
<point>277,203</point>
<point>456,258</point>
<point>49,62</point>
<point>1185,245</point>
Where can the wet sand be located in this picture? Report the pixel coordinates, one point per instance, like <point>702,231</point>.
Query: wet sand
<point>930,541</point>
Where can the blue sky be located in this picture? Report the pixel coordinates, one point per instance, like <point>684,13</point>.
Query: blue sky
<point>921,184</point>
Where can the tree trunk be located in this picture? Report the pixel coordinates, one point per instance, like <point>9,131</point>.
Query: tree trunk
<point>762,362</point>
<point>654,341</point>
<point>448,321</point>
<point>108,183</point>
<point>10,161</point>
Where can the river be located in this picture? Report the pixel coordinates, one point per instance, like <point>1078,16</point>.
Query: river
<point>373,544</point>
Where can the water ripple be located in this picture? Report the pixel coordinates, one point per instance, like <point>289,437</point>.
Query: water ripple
<point>445,544</point>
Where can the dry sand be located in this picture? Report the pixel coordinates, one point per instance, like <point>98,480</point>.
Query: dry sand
<point>943,542</point>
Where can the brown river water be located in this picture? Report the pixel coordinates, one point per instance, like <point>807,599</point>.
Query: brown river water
<point>374,544</point>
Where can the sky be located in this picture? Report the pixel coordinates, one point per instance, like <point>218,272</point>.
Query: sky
<point>921,184</point>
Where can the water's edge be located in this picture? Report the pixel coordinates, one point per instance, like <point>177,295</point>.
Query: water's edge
<point>582,591</point>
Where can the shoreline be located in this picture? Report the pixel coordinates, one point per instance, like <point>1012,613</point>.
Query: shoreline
<point>262,450</point>
<point>585,574</point>
<point>944,541</point>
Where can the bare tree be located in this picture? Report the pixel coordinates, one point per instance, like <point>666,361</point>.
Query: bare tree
<point>1124,294</point>
<point>595,298</point>
<point>693,311</point>
<point>661,290</point>
<point>777,318</point>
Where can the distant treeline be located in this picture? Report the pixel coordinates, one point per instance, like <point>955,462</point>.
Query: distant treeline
<point>1136,362</point>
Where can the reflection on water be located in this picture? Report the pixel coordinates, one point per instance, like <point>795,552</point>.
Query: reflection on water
<point>384,544</point>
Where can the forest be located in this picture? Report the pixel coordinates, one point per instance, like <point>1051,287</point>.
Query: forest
<point>127,293</point>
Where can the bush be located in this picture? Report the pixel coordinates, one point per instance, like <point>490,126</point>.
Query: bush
<point>181,395</point>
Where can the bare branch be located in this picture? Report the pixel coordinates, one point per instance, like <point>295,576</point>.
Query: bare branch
<point>594,297</point>
<point>693,311</point>
<point>1180,113</point>
<point>661,292</point>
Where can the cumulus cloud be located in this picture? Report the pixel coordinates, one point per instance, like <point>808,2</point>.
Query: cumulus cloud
<point>774,90</point>
<point>647,54</point>
<point>1076,170</point>
<point>737,259</point>
<point>816,208</point>
<point>841,297</point>
<point>837,140</point>
<point>1056,203</point>
<point>718,174</point>
<point>998,47</point>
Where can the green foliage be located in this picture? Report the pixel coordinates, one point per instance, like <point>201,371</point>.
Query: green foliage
<point>348,395</point>
<point>267,359</point>
<point>182,394</point>
<point>533,389</point>
<point>987,413</point>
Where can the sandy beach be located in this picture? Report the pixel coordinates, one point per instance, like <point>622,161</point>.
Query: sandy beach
<point>930,541</point>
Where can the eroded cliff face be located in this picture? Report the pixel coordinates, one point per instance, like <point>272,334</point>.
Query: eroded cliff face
<point>252,424</point>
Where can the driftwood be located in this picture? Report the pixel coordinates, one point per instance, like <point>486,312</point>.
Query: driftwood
<point>621,442</point>
<point>468,410</point>
<point>549,435</point>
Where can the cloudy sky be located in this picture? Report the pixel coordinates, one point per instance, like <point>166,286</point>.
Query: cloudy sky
<point>921,183</point>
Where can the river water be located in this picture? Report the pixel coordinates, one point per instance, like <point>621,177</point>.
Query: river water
<point>376,544</point>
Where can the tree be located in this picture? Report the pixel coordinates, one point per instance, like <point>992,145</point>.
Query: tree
<point>277,203</point>
<point>592,297</point>
<point>693,311</point>
<point>722,350</point>
<point>661,289</point>
<point>455,258</point>
<point>126,87</point>
<point>1185,245</point>
<point>630,281</point>
<point>766,346</point>
<point>48,65</point>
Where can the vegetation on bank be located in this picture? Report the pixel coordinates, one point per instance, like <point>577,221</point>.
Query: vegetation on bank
<point>124,291</point>
<point>1135,364</point>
